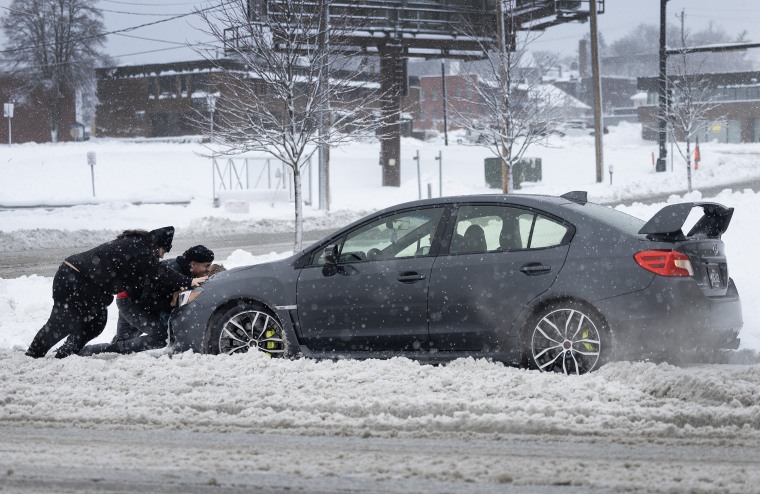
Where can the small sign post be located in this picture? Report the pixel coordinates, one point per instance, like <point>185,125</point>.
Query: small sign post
<point>91,159</point>
<point>8,113</point>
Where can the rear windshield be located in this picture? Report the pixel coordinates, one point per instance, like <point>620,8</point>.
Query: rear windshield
<point>617,219</point>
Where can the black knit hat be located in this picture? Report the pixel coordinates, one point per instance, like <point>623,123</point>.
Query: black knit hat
<point>162,237</point>
<point>199,253</point>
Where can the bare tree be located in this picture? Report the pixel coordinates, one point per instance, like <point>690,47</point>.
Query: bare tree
<point>693,103</point>
<point>635,54</point>
<point>273,105</point>
<point>53,45</point>
<point>510,110</point>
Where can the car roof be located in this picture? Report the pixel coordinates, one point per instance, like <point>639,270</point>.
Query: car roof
<point>566,208</point>
<point>520,199</point>
<point>571,207</point>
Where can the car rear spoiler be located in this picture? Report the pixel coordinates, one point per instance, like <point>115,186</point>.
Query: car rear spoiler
<point>668,221</point>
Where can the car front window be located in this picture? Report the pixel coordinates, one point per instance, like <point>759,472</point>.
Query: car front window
<point>405,234</point>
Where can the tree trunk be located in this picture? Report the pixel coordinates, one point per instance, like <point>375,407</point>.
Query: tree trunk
<point>688,162</point>
<point>504,172</point>
<point>298,245</point>
<point>507,183</point>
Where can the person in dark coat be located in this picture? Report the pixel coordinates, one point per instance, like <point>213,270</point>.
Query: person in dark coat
<point>144,315</point>
<point>84,286</point>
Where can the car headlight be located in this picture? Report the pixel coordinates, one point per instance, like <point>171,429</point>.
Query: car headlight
<point>188,296</point>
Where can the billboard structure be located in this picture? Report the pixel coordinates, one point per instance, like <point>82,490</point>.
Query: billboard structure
<point>396,30</point>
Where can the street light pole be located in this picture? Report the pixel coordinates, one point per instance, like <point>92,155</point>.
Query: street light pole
<point>443,100</point>
<point>8,112</point>
<point>211,104</point>
<point>662,92</point>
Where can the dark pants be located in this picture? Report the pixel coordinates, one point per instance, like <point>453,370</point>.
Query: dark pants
<point>79,314</point>
<point>137,330</point>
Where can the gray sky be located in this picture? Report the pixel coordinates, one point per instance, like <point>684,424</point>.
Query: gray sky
<point>166,39</point>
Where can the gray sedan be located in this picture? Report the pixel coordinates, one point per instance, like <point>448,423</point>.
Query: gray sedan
<point>553,283</point>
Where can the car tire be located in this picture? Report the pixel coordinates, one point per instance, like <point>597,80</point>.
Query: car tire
<point>243,327</point>
<point>567,336</point>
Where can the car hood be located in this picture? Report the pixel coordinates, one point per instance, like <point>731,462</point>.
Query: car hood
<point>271,283</point>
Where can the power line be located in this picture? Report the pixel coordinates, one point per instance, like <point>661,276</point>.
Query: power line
<point>134,13</point>
<point>182,4</point>
<point>712,9</point>
<point>151,39</point>
<point>150,51</point>
<point>117,31</point>
<point>71,62</point>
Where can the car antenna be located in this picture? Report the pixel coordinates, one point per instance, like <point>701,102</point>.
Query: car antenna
<point>579,196</point>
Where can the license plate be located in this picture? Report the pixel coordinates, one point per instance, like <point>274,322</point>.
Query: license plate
<point>714,274</point>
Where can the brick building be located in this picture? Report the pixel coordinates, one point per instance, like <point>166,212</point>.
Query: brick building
<point>31,120</point>
<point>161,100</point>
<point>734,107</point>
<point>155,100</point>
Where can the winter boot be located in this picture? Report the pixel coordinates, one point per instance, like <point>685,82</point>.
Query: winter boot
<point>96,349</point>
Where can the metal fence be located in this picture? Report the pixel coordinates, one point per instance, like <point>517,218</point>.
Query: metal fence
<point>258,174</point>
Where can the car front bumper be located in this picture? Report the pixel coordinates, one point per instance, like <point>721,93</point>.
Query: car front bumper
<point>187,328</point>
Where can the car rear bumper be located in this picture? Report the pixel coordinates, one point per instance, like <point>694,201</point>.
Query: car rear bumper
<point>673,314</point>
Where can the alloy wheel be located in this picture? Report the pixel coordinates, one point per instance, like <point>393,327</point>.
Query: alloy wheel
<point>251,330</point>
<point>566,340</point>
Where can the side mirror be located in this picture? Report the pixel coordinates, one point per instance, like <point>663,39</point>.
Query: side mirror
<point>331,255</point>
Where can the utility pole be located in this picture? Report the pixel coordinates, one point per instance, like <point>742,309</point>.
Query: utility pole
<point>443,99</point>
<point>503,74</point>
<point>598,123</point>
<point>662,92</point>
<point>323,115</point>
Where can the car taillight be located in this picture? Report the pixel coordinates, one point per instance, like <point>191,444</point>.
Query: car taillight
<point>665,262</point>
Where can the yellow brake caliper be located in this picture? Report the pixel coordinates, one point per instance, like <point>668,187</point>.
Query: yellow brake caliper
<point>585,334</point>
<point>270,345</point>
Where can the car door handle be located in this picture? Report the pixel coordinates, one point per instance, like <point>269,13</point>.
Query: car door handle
<point>410,277</point>
<point>535,269</point>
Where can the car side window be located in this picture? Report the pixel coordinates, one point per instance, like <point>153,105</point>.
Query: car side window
<point>405,234</point>
<point>480,229</point>
<point>547,233</point>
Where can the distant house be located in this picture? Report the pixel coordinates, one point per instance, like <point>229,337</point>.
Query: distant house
<point>462,98</point>
<point>616,94</point>
<point>616,90</point>
<point>30,122</point>
<point>734,115</point>
<point>463,101</point>
<point>558,105</point>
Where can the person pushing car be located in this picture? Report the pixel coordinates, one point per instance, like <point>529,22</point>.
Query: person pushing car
<point>85,283</point>
<point>144,314</point>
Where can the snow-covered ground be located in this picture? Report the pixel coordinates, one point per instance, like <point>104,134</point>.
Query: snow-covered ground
<point>717,403</point>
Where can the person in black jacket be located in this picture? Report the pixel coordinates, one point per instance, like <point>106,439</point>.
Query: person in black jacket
<point>144,315</point>
<point>84,286</point>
